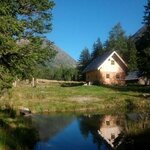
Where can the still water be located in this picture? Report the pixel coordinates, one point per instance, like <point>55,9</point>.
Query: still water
<point>92,132</point>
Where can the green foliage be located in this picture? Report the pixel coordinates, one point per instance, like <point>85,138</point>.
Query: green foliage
<point>117,41</point>
<point>69,74</point>
<point>146,17</point>
<point>84,57</point>
<point>84,60</point>
<point>5,78</point>
<point>97,49</point>
<point>66,74</point>
<point>62,73</point>
<point>143,44</point>
<point>144,63</point>
<point>146,20</point>
<point>132,55</point>
<point>22,26</point>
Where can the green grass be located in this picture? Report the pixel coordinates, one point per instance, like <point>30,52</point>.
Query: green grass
<point>55,97</point>
<point>67,97</point>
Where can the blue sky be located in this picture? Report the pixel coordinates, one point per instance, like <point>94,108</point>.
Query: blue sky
<point>78,23</point>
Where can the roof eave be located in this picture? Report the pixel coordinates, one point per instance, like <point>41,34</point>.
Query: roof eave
<point>90,71</point>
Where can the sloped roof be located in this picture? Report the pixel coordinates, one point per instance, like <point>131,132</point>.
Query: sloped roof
<point>97,62</point>
<point>133,75</point>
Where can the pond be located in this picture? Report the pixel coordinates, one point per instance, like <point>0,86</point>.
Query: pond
<point>92,132</point>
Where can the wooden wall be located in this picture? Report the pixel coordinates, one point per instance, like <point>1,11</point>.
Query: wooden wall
<point>115,71</point>
<point>101,77</point>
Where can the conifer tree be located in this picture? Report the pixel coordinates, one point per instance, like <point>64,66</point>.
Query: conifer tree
<point>117,41</point>
<point>132,55</point>
<point>144,50</point>
<point>97,49</point>
<point>146,18</point>
<point>84,60</point>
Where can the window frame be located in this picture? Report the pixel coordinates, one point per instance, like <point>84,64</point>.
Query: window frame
<point>107,76</point>
<point>108,123</point>
<point>112,62</point>
<point>117,76</point>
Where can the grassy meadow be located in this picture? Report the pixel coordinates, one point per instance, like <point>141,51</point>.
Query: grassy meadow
<point>61,97</point>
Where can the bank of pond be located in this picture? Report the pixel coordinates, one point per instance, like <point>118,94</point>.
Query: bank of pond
<point>86,131</point>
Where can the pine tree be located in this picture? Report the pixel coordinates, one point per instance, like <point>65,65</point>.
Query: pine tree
<point>117,41</point>
<point>132,55</point>
<point>146,18</point>
<point>84,60</point>
<point>146,21</point>
<point>97,49</point>
<point>144,41</point>
<point>144,52</point>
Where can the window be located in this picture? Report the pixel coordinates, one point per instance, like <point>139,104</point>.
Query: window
<point>107,76</point>
<point>112,62</point>
<point>107,123</point>
<point>117,76</point>
<point>112,136</point>
<point>118,122</point>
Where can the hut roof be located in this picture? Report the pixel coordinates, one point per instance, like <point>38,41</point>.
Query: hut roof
<point>97,62</point>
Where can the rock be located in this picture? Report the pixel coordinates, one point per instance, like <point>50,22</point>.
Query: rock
<point>146,94</point>
<point>25,111</point>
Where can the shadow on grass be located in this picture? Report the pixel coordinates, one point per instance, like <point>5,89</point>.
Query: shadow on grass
<point>16,134</point>
<point>133,88</point>
<point>71,84</point>
<point>129,105</point>
<point>9,111</point>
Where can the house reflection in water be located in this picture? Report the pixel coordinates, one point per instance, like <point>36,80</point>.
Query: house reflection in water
<point>111,130</point>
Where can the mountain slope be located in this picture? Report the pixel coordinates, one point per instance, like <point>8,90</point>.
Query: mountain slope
<point>62,59</point>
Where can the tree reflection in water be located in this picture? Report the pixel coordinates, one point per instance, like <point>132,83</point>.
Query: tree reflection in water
<point>130,131</point>
<point>49,126</point>
<point>111,129</point>
<point>120,132</point>
<point>89,124</point>
<point>16,133</point>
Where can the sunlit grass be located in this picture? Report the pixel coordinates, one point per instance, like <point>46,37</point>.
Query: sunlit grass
<point>58,97</point>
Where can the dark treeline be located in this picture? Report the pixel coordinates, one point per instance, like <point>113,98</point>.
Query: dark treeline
<point>59,73</point>
<point>143,44</point>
